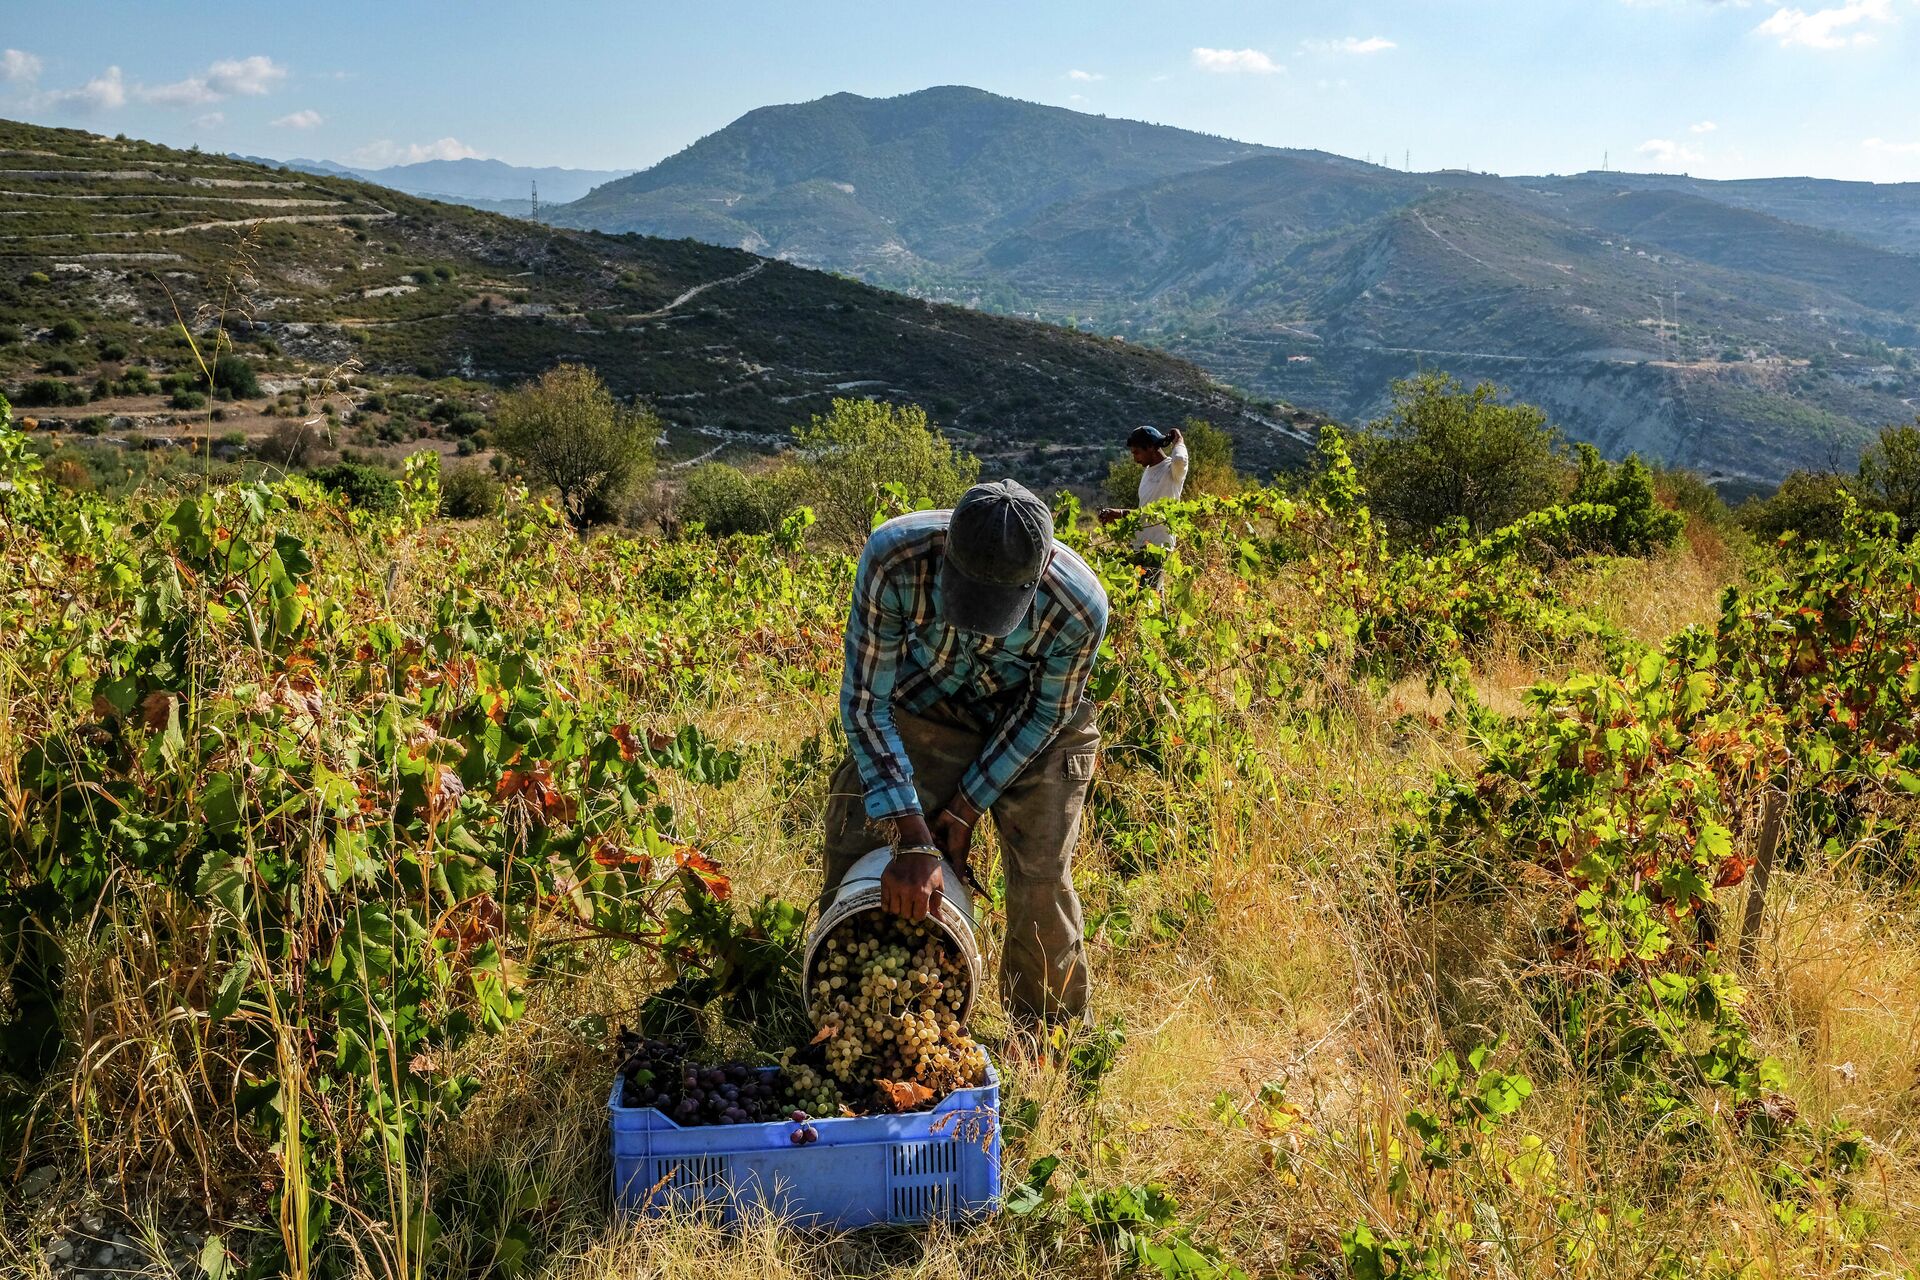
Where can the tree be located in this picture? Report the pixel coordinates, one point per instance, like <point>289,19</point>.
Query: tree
<point>850,455</point>
<point>1210,470</point>
<point>235,376</point>
<point>1640,524</point>
<point>1890,475</point>
<point>1444,453</point>
<point>567,430</point>
<point>1809,503</point>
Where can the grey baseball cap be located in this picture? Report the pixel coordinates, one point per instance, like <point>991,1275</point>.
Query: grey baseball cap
<point>998,542</point>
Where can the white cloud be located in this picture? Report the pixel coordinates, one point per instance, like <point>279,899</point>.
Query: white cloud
<point>17,66</point>
<point>104,92</point>
<point>229,77</point>
<point>1085,77</point>
<point>1705,126</point>
<point>1826,28</point>
<point>1667,153</point>
<point>1232,61</point>
<point>211,120</point>
<point>1349,45</point>
<point>308,119</point>
<point>385,151</point>
<point>1886,148</point>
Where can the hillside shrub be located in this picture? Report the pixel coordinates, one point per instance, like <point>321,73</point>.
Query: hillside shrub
<point>51,393</point>
<point>61,366</point>
<point>292,444</point>
<point>469,493</point>
<point>235,375</point>
<point>854,452</point>
<point>65,330</point>
<point>1443,453</point>
<point>566,430</point>
<point>363,486</point>
<point>184,399</point>
<point>1640,525</point>
<point>1890,475</point>
<point>726,500</point>
<point>1811,504</point>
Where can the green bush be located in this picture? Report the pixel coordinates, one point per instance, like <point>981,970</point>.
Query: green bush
<point>111,350</point>
<point>51,393</point>
<point>1444,453</point>
<point>363,486</point>
<point>61,366</point>
<point>184,399</point>
<point>234,374</point>
<point>1809,503</point>
<point>9,334</point>
<point>65,330</point>
<point>1640,525</point>
<point>859,447</point>
<point>468,493</point>
<point>726,500</point>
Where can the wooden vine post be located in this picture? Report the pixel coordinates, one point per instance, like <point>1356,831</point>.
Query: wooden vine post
<point>1772,818</point>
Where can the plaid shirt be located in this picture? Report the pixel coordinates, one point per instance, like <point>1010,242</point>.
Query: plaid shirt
<point>1020,689</point>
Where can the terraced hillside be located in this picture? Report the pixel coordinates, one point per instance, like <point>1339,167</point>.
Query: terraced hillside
<point>120,239</point>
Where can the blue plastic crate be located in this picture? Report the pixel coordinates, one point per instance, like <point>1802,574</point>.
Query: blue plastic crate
<point>926,1165</point>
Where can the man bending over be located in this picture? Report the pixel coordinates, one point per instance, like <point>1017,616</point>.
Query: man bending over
<point>969,645</point>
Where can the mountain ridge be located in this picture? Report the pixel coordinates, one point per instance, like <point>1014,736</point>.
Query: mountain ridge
<point>1716,325</point>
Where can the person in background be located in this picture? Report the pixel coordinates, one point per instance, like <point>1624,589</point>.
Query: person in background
<point>969,644</point>
<point>1163,474</point>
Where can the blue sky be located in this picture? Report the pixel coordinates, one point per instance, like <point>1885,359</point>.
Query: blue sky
<point>1718,88</point>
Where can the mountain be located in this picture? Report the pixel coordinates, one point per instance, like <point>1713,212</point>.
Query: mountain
<point>1741,328</point>
<point>1886,214</point>
<point>726,345</point>
<point>481,184</point>
<point>889,184</point>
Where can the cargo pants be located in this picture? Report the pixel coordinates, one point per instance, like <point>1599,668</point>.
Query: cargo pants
<point>1043,966</point>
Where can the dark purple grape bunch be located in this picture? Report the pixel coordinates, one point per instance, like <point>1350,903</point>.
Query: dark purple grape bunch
<point>659,1075</point>
<point>804,1134</point>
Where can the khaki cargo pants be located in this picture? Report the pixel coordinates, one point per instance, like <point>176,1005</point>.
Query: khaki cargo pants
<point>1043,969</point>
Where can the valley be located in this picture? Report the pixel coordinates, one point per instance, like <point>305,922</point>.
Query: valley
<point>1744,329</point>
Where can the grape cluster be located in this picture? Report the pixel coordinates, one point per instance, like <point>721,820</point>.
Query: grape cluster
<point>811,1089</point>
<point>659,1075</point>
<point>887,996</point>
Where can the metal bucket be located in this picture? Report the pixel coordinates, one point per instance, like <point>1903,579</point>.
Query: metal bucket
<point>860,892</point>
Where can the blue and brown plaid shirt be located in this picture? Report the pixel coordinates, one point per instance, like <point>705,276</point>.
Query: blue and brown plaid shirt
<point>1020,689</point>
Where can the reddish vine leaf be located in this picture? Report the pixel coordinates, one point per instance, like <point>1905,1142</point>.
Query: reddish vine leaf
<point>904,1095</point>
<point>706,870</point>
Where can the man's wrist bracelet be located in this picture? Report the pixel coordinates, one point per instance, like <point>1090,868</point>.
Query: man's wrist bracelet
<point>917,851</point>
<point>951,813</point>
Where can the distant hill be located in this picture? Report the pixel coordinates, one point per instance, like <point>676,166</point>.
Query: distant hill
<point>1742,328</point>
<point>725,344</point>
<point>929,177</point>
<point>482,184</point>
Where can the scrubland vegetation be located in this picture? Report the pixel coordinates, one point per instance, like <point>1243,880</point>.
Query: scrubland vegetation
<point>340,836</point>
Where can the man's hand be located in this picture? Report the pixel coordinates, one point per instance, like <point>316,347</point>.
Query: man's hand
<point>910,886</point>
<point>953,829</point>
<point>1173,437</point>
<point>1109,514</point>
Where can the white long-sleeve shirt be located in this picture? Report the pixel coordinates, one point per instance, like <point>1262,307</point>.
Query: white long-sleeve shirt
<point>1164,479</point>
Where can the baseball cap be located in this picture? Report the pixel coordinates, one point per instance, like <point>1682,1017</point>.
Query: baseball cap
<point>1147,438</point>
<point>998,541</point>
